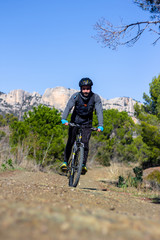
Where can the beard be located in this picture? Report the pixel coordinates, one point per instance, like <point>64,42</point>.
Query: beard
<point>86,94</point>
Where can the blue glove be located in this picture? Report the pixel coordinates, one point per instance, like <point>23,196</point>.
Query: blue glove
<point>101,128</point>
<point>64,121</point>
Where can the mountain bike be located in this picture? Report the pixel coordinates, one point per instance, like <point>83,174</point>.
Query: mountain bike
<point>76,161</point>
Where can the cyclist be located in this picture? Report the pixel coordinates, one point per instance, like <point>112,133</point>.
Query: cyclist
<point>84,103</point>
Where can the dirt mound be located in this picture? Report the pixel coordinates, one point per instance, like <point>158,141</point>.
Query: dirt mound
<point>150,170</point>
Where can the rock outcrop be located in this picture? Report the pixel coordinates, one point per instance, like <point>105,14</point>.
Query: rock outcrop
<point>20,101</point>
<point>57,97</point>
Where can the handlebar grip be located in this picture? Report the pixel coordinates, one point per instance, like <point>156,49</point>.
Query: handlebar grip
<point>94,129</point>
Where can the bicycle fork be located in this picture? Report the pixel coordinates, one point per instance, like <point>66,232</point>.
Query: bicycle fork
<point>74,167</point>
<point>73,159</point>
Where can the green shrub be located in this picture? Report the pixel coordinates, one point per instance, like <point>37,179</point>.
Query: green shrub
<point>40,135</point>
<point>131,181</point>
<point>138,173</point>
<point>2,134</point>
<point>121,182</point>
<point>154,176</point>
<point>8,165</point>
<point>117,138</point>
<point>7,119</point>
<point>103,158</point>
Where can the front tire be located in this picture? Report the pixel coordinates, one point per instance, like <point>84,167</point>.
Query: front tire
<point>76,167</point>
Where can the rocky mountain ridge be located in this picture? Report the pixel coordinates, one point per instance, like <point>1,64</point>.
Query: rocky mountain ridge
<point>20,101</point>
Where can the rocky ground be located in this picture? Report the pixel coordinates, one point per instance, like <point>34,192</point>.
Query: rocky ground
<point>38,205</point>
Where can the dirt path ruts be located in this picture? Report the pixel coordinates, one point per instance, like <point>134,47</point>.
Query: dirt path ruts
<point>36,205</point>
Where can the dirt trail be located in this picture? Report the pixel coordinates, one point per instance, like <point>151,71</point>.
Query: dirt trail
<point>37,205</point>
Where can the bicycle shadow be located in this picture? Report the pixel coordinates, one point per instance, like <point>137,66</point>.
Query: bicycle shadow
<point>94,189</point>
<point>114,183</point>
<point>155,200</point>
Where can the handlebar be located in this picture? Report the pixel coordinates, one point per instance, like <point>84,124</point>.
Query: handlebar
<point>79,126</point>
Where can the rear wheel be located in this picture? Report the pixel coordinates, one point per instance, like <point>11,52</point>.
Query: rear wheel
<point>76,167</point>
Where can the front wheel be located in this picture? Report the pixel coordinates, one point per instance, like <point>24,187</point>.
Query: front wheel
<point>76,167</point>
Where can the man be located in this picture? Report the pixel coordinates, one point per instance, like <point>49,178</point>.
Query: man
<point>84,103</point>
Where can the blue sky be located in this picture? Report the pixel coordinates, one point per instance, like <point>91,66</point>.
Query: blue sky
<point>49,43</point>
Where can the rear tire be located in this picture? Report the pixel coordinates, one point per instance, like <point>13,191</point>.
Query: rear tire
<point>76,167</point>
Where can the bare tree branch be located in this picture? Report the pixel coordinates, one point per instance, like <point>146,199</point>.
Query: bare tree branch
<point>111,36</point>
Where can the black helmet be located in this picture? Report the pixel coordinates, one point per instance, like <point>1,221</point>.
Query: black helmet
<point>85,82</point>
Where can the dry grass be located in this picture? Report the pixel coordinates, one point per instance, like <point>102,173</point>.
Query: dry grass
<point>19,160</point>
<point>5,150</point>
<point>118,169</point>
<point>112,173</point>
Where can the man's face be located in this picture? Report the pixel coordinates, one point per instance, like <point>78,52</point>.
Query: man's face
<point>86,90</point>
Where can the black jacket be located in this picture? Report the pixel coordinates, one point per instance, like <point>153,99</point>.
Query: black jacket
<point>83,109</point>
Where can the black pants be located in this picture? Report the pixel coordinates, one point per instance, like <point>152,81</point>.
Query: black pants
<point>86,134</point>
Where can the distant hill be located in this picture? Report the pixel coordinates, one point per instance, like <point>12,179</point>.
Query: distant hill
<point>20,101</point>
